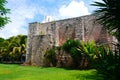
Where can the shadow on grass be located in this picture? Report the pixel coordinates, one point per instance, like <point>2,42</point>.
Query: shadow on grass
<point>91,75</point>
<point>88,74</point>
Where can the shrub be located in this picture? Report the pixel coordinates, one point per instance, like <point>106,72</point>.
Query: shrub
<point>108,62</point>
<point>87,49</point>
<point>50,56</point>
<point>70,46</point>
<point>81,52</point>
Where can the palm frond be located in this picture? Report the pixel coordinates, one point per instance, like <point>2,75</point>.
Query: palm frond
<point>99,4</point>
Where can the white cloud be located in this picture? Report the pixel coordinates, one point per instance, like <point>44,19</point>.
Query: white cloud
<point>73,9</point>
<point>98,0</point>
<point>19,13</point>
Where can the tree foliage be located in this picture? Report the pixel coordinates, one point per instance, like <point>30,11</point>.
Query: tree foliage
<point>3,13</point>
<point>107,62</point>
<point>109,11</point>
<point>13,48</point>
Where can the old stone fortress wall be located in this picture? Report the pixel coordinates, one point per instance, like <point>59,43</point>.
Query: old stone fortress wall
<point>42,36</point>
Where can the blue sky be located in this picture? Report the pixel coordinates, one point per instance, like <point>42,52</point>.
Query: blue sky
<point>27,11</point>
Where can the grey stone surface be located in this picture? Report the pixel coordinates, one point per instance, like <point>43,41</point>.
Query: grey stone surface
<point>44,35</point>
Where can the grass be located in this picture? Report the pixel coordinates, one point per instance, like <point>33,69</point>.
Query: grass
<point>17,72</point>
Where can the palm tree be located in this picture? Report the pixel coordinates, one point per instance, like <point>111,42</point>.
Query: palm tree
<point>17,47</point>
<point>13,48</point>
<point>109,11</point>
<point>4,50</point>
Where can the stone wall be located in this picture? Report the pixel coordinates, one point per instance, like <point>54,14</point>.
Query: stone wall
<point>42,36</point>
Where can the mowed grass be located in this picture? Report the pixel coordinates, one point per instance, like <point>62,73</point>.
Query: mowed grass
<point>17,72</point>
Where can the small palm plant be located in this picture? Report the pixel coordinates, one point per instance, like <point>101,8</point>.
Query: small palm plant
<point>71,47</point>
<point>87,49</point>
<point>107,62</point>
<point>50,57</point>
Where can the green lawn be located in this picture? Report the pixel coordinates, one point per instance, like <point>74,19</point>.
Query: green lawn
<point>17,72</point>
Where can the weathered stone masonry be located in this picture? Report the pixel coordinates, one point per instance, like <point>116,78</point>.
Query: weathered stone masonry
<point>42,36</point>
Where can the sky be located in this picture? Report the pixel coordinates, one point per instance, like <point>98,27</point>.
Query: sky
<point>24,12</point>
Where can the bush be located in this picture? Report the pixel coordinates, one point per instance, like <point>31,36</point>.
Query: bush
<point>107,62</point>
<point>50,57</point>
<point>81,52</point>
<point>88,50</point>
<point>71,47</point>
